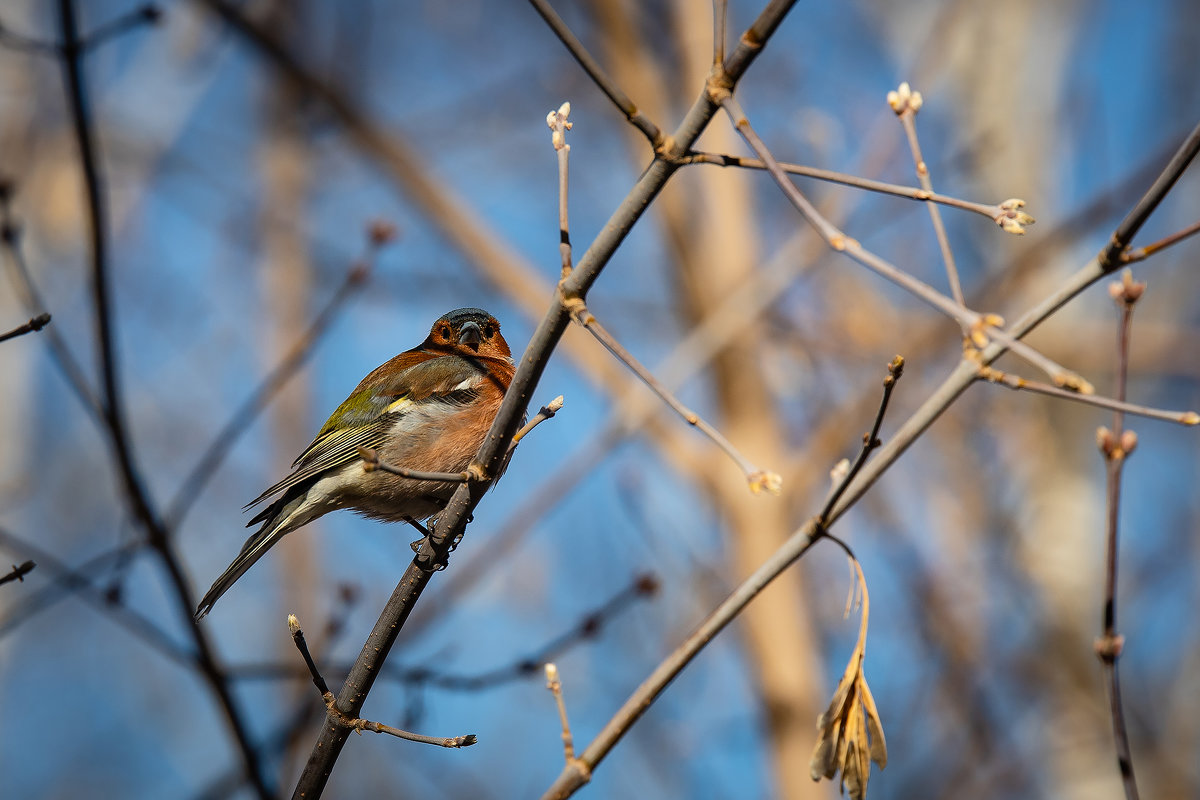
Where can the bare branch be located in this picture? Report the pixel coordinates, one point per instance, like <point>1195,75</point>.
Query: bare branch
<point>544,413</point>
<point>22,278</point>
<point>993,375</point>
<point>998,213</point>
<point>18,572</point>
<point>555,686</point>
<point>1115,447</point>
<point>598,75</point>
<point>35,324</point>
<point>906,103</point>
<point>362,724</point>
<point>1110,257</point>
<point>720,12</point>
<point>371,462</point>
<point>558,124</point>
<point>870,442</point>
<point>757,479</point>
<point>1141,253</point>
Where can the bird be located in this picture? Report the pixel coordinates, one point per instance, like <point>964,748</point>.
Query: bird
<point>427,409</point>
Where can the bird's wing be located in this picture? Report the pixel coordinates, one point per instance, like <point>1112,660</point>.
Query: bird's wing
<point>366,416</point>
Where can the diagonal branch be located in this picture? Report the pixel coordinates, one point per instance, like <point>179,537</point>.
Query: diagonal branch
<point>34,325</point>
<point>113,412</point>
<point>598,75</point>
<point>906,103</point>
<point>1141,253</point>
<point>453,520</point>
<point>1003,214</point>
<point>18,572</point>
<point>1110,257</point>
<point>758,479</point>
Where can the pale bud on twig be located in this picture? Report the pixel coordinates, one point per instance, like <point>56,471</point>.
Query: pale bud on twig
<point>1127,290</point>
<point>1013,219</point>
<point>839,472</point>
<point>1129,440</point>
<point>293,624</point>
<point>765,480</point>
<point>557,122</point>
<point>905,99</point>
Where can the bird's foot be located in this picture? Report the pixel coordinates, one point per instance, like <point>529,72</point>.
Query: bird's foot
<point>434,564</point>
<point>457,539</point>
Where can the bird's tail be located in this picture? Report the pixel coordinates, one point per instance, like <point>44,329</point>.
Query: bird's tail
<point>278,519</point>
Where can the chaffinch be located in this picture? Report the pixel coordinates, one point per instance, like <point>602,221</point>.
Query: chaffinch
<point>427,409</point>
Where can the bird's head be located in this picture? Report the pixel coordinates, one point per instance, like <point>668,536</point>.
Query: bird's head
<point>471,331</point>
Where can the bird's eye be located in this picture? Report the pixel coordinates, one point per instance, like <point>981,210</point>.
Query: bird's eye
<point>444,331</point>
<point>488,330</point>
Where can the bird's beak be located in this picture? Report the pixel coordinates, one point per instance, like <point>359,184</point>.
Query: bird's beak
<point>470,335</point>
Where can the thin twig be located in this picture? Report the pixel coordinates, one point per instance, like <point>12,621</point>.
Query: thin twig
<point>757,479</point>
<point>360,725</point>
<point>993,375</point>
<point>293,623</point>
<point>558,124</point>
<point>544,413</point>
<point>371,462</point>
<point>35,324</point>
<point>598,75</point>
<point>18,572</point>
<point>31,297</point>
<point>304,716</point>
<point>870,442</point>
<point>1141,253</point>
<point>555,686</point>
<point>720,12</point>
<point>906,103</point>
<point>80,582</point>
<point>1115,447</point>
<point>61,584</point>
<point>587,627</point>
<point>981,327</point>
<point>998,213</point>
